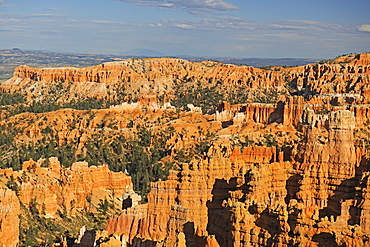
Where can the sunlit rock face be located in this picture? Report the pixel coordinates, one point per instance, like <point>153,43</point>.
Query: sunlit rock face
<point>347,75</point>
<point>294,172</point>
<point>51,190</point>
<point>260,197</point>
<point>9,218</point>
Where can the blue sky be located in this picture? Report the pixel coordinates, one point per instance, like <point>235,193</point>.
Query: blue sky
<point>228,28</point>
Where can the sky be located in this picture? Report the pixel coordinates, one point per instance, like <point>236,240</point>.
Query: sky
<point>218,28</point>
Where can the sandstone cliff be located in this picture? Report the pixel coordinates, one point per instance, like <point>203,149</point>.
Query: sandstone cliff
<point>9,223</point>
<point>51,193</point>
<point>290,170</point>
<point>131,78</point>
<point>254,197</point>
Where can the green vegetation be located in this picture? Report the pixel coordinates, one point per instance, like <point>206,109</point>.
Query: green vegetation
<point>270,140</point>
<point>140,156</point>
<point>16,103</point>
<point>36,230</point>
<point>207,97</point>
<point>13,185</point>
<point>11,99</point>
<point>204,97</point>
<point>267,96</point>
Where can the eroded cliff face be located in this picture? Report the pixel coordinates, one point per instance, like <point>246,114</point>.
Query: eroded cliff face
<point>45,190</point>
<point>9,215</point>
<point>71,189</point>
<point>314,194</point>
<point>131,78</point>
<point>292,172</point>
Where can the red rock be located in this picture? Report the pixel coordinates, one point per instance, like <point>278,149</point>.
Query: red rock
<point>158,75</point>
<point>312,189</point>
<point>9,220</point>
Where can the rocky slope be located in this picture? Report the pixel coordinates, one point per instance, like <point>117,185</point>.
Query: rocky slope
<point>312,194</point>
<point>289,170</point>
<point>43,193</point>
<point>127,80</point>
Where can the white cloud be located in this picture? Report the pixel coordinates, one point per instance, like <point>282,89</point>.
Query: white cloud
<point>364,28</point>
<point>52,9</point>
<point>31,16</point>
<point>284,35</point>
<point>31,22</point>
<point>183,26</point>
<point>104,22</point>
<point>155,25</point>
<point>306,25</point>
<point>190,6</point>
<point>2,1</point>
<point>236,23</point>
<point>291,27</point>
<point>221,23</point>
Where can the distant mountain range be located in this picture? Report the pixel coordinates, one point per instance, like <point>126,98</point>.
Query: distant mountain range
<point>15,57</point>
<point>11,58</point>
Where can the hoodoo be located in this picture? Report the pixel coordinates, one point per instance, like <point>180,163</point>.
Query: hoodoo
<point>221,155</point>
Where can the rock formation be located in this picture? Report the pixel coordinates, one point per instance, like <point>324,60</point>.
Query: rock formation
<point>53,190</point>
<point>9,218</point>
<point>292,171</point>
<point>160,75</point>
<point>255,198</point>
<point>58,188</point>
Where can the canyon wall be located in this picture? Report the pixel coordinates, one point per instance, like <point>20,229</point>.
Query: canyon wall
<point>136,77</point>
<point>49,190</point>
<point>314,195</point>
<point>292,172</point>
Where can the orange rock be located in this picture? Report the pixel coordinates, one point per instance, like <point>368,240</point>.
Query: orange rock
<point>158,76</point>
<point>310,189</point>
<point>56,188</point>
<point>211,241</point>
<point>9,218</point>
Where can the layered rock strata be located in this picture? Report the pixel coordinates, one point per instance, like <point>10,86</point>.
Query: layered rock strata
<point>138,77</point>
<point>53,190</point>
<point>9,218</point>
<point>289,173</point>
<point>252,197</point>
